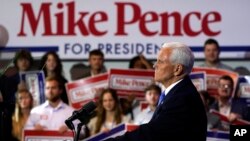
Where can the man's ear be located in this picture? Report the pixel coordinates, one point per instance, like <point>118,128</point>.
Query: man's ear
<point>179,69</point>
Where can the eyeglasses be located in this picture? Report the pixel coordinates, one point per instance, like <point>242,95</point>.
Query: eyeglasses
<point>224,86</point>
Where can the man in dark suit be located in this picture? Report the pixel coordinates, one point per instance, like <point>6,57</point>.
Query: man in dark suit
<point>181,114</point>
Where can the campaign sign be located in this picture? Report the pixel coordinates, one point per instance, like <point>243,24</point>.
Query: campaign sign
<point>130,81</point>
<point>35,82</point>
<point>118,130</point>
<point>143,105</point>
<point>199,80</point>
<point>84,90</point>
<point>244,86</point>
<point>245,90</point>
<point>213,76</point>
<point>49,135</point>
<point>224,118</point>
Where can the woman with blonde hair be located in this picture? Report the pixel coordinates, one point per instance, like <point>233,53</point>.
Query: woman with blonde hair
<point>24,103</point>
<point>109,113</point>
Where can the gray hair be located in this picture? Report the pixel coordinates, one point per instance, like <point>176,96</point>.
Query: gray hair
<point>181,54</point>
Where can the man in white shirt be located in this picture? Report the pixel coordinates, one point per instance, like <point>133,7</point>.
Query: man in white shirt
<point>152,94</point>
<point>51,114</point>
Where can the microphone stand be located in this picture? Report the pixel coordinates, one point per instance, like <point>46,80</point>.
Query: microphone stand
<point>79,127</point>
<point>83,115</point>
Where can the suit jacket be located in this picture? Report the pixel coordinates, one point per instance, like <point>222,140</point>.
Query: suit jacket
<point>181,116</point>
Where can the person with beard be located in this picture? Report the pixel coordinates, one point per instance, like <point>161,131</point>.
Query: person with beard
<point>51,65</point>
<point>53,112</point>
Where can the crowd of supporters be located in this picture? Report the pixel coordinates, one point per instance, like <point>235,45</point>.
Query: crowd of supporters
<point>19,112</point>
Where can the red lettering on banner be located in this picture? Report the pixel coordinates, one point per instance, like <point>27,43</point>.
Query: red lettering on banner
<point>28,11</point>
<point>122,82</point>
<point>97,91</point>
<point>182,24</point>
<point>139,83</point>
<point>216,17</point>
<point>46,16</point>
<point>212,82</point>
<point>80,94</point>
<point>68,21</point>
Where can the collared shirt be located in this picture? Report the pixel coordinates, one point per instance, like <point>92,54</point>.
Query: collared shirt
<point>144,116</point>
<point>49,117</point>
<point>167,90</point>
<point>218,66</point>
<point>225,109</point>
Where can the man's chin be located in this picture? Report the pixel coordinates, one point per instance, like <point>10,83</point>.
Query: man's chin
<point>156,79</point>
<point>53,99</point>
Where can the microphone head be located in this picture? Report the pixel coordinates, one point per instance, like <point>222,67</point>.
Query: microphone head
<point>89,107</point>
<point>83,114</point>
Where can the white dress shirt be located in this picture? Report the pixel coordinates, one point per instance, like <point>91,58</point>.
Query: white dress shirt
<point>144,116</point>
<point>49,117</point>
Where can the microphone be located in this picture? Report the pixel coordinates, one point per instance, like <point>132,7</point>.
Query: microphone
<point>83,114</point>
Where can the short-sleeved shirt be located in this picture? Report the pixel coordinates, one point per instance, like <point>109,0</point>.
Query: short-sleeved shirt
<point>219,66</point>
<point>49,117</point>
<point>144,116</point>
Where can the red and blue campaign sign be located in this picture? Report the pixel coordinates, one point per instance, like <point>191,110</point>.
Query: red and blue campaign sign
<point>199,80</point>
<point>87,89</point>
<point>130,81</point>
<point>35,81</point>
